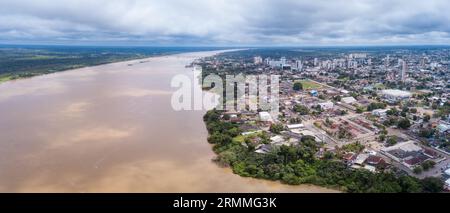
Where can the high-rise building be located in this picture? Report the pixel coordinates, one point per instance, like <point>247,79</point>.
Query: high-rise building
<point>257,60</point>
<point>316,62</point>
<point>400,62</point>
<point>299,65</point>
<point>423,62</point>
<point>404,70</point>
<point>283,61</point>
<point>387,62</point>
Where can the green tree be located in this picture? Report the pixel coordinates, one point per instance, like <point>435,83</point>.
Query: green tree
<point>427,165</point>
<point>328,155</point>
<point>392,111</point>
<point>418,170</point>
<point>432,184</point>
<point>276,128</point>
<point>410,184</point>
<point>265,139</point>
<point>426,118</point>
<point>359,110</point>
<point>226,117</point>
<point>302,110</point>
<point>404,123</point>
<point>426,132</point>
<point>391,140</point>
<point>298,86</point>
<point>376,105</point>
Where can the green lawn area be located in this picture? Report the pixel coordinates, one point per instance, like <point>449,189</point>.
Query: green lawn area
<point>4,78</point>
<point>379,86</point>
<point>307,84</point>
<point>239,139</point>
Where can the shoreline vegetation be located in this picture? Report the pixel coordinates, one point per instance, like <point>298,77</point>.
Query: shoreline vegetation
<point>30,74</point>
<point>299,164</point>
<point>21,62</point>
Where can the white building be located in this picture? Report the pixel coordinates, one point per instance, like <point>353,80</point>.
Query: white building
<point>257,60</point>
<point>326,105</point>
<point>299,65</point>
<point>348,100</point>
<point>447,172</point>
<point>404,70</point>
<point>379,112</point>
<point>295,126</point>
<point>357,55</point>
<point>361,158</point>
<point>277,139</point>
<point>394,95</point>
<point>343,91</point>
<point>447,184</point>
<point>443,127</point>
<point>283,61</point>
<point>265,117</point>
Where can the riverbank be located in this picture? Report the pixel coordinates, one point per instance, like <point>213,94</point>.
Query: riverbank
<point>300,163</point>
<point>111,128</point>
<point>30,74</point>
<point>22,61</point>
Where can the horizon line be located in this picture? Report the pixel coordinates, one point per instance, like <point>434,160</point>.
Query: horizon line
<point>224,46</point>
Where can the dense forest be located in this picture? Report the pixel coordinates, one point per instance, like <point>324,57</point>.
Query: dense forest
<point>18,61</point>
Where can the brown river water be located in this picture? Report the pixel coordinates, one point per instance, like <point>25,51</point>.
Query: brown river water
<point>111,128</point>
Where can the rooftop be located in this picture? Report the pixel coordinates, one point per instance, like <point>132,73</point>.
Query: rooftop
<point>396,93</point>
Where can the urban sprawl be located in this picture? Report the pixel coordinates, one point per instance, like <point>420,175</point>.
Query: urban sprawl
<point>372,110</point>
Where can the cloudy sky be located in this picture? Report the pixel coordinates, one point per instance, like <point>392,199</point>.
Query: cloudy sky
<point>225,22</point>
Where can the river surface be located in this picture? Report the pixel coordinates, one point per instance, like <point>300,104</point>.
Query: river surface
<point>111,128</point>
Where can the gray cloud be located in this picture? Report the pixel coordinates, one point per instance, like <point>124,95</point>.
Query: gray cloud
<point>224,22</point>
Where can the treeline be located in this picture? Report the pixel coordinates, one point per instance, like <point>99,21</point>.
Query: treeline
<point>300,165</point>
<point>20,61</point>
<point>21,66</point>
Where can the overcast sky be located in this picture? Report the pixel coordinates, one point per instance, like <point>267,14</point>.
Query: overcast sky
<point>225,22</point>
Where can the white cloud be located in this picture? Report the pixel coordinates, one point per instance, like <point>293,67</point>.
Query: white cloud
<point>263,22</point>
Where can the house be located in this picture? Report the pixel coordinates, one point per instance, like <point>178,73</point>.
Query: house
<point>314,93</point>
<point>412,161</point>
<point>447,172</point>
<point>447,184</point>
<point>443,127</point>
<point>372,169</point>
<point>374,160</point>
<point>265,117</point>
<point>277,139</point>
<point>263,149</point>
<point>235,119</point>
<point>348,100</point>
<point>295,126</point>
<point>349,158</point>
<point>361,158</point>
<point>343,91</point>
<point>326,105</point>
<point>379,112</point>
<point>430,153</point>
